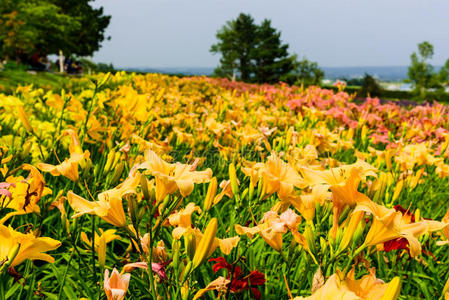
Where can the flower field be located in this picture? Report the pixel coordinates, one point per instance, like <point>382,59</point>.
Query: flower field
<point>158,187</point>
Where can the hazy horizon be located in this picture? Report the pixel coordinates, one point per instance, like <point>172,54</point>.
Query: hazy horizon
<point>342,33</point>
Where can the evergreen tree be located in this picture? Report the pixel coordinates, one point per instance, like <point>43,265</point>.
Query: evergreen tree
<point>255,53</point>
<point>271,57</point>
<point>237,41</point>
<point>370,87</point>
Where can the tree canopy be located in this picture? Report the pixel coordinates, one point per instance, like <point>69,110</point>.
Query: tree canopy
<point>47,26</point>
<point>422,74</point>
<point>256,53</point>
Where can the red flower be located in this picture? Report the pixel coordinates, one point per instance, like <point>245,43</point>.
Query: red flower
<point>221,264</point>
<point>239,282</point>
<point>396,244</point>
<point>402,243</point>
<point>405,212</point>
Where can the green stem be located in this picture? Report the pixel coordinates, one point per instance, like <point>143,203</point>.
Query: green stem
<point>94,268</point>
<point>357,252</point>
<point>2,289</point>
<point>65,275</point>
<point>89,112</point>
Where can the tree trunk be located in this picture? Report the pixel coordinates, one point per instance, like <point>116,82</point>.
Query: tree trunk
<point>61,63</point>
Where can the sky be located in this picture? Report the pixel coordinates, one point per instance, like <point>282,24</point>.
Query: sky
<point>334,33</point>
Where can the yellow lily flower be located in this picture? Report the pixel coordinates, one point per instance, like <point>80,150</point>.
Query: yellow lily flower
<point>109,206</point>
<point>278,177</point>
<point>25,193</point>
<point>110,210</point>
<point>343,183</point>
<point>31,246</point>
<point>100,242</point>
<point>306,202</point>
<point>173,177</point>
<point>69,167</point>
<point>183,223</point>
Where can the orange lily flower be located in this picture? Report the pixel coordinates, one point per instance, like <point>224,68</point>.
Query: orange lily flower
<point>272,227</point>
<point>343,182</point>
<point>389,224</point>
<point>219,284</point>
<point>367,288</point>
<point>116,286</point>
<point>278,177</point>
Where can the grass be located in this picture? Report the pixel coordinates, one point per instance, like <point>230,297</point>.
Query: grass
<point>11,79</point>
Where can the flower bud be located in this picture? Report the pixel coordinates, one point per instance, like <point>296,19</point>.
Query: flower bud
<point>211,191</point>
<point>117,159</point>
<point>133,208</point>
<point>251,189</point>
<point>358,234</point>
<point>109,161</point>
<point>348,235</point>
<point>206,243</point>
<point>233,178</point>
<point>417,215</point>
<point>397,189</point>
<point>393,289</point>
<point>415,179</point>
<point>175,249</point>
<point>24,118</point>
<point>190,244</point>
<point>263,189</point>
<point>102,250</point>
<point>244,193</point>
<point>310,238</point>
<point>117,173</point>
<point>187,270</point>
<point>144,187</point>
<point>288,137</point>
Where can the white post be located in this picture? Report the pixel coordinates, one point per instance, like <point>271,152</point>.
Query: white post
<point>61,63</point>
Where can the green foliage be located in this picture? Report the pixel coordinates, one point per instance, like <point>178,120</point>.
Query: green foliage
<point>88,37</point>
<point>370,87</point>
<point>304,73</point>
<point>23,32</point>
<point>11,78</point>
<point>97,67</point>
<point>71,26</point>
<point>237,39</point>
<point>422,75</point>
<point>271,57</point>
<point>254,52</point>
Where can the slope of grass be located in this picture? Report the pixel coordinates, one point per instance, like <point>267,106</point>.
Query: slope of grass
<point>11,79</point>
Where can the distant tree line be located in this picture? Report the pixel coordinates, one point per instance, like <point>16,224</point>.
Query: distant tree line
<point>255,53</point>
<point>427,83</point>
